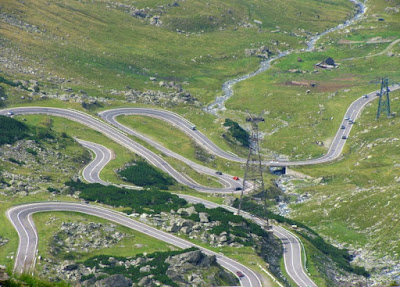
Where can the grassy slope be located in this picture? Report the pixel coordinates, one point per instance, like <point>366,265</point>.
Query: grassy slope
<point>355,206</point>
<point>124,248</point>
<point>74,129</point>
<point>315,116</point>
<point>6,228</point>
<point>176,140</point>
<point>96,45</point>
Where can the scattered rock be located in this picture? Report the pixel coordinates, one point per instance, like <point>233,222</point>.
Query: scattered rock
<point>262,52</point>
<point>3,274</point>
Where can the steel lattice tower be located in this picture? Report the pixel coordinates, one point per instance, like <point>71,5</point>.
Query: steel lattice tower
<point>254,170</point>
<point>384,100</point>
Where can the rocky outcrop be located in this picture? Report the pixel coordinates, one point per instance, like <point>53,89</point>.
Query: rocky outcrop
<point>187,269</point>
<point>261,52</point>
<point>46,160</point>
<point>3,241</point>
<point>116,280</point>
<point>3,274</point>
<point>14,21</point>
<point>84,237</point>
<point>151,97</point>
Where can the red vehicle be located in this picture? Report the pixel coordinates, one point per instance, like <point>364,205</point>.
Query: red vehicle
<point>236,178</point>
<point>240,274</point>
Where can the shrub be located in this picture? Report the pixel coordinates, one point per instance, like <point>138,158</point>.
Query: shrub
<point>13,160</point>
<point>237,132</point>
<point>52,189</point>
<point>158,263</point>
<point>31,151</point>
<point>12,130</point>
<point>149,201</point>
<point>143,174</point>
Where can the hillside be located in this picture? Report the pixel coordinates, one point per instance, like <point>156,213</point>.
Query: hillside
<point>211,62</point>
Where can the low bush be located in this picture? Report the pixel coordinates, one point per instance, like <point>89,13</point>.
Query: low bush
<point>31,151</point>
<point>237,132</point>
<point>12,130</point>
<point>132,272</point>
<point>13,160</point>
<point>143,174</point>
<point>228,221</point>
<point>149,201</point>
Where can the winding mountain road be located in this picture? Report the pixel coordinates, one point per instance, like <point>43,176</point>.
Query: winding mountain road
<point>334,150</point>
<point>21,217</point>
<point>292,245</point>
<point>124,140</point>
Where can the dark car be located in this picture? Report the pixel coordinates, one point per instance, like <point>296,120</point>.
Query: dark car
<point>344,137</point>
<point>240,274</point>
<point>342,127</point>
<point>238,188</point>
<point>218,172</point>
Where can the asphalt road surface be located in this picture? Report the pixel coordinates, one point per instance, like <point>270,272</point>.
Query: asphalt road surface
<point>334,151</point>
<point>122,139</point>
<point>103,155</point>
<point>21,218</point>
<point>292,245</point>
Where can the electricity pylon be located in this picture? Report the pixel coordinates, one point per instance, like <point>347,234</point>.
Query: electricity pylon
<point>384,100</point>
<point>254,169</point>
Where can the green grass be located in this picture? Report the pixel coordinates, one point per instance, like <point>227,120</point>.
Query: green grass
<point>355,205</point>
<point>177,141</point>
<point>150,200</point>
<point>73,129</point>
<point>109,54</point>
<point>48,223</point>
<point>6,228</point>
<point>297,120</point>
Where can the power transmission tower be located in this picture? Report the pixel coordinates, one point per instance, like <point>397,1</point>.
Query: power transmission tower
<point>384,100</point>
<point>254,170</point>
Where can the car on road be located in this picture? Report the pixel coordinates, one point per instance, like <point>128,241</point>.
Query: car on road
<point>193,128</point>
<point>236,178</point>
<point>10,114</point>
<point>347,118</point>
<point>239,274</point>
<point>344,137</point>
<point>238,188</point>
<point>365,96</point>
<point>218,172</point>
<point>351,121</point>
<point>342,127</point>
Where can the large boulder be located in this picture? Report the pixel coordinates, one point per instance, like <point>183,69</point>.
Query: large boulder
<point>117,280</point>
<point>203,217</point>
<point>3,274</point>
<point>192,257</point>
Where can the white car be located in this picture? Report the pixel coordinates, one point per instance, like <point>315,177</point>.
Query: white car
<point>10,114</point>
